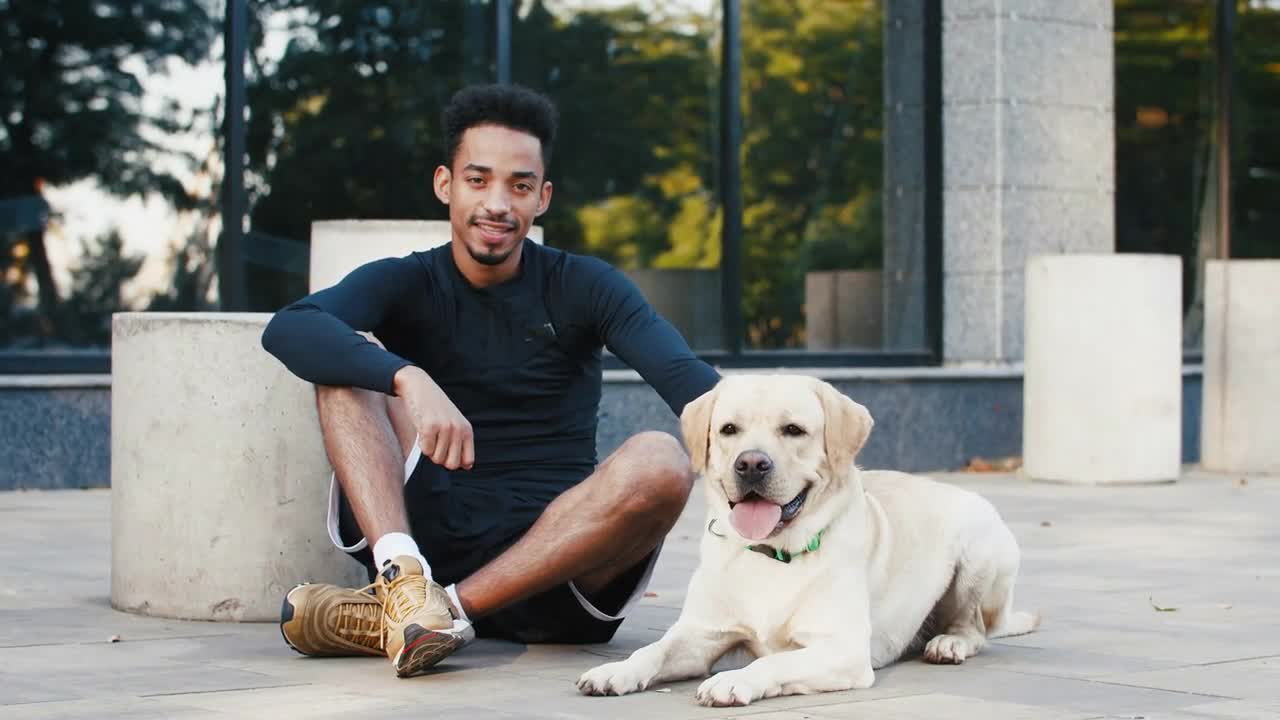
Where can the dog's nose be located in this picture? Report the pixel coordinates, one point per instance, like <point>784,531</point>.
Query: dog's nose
<point>752,466</point>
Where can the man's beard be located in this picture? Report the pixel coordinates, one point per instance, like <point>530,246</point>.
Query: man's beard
<point>490,259</point>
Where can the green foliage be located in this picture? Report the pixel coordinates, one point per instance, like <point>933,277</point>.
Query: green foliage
<point>812,173</point>
<point>103,270</point>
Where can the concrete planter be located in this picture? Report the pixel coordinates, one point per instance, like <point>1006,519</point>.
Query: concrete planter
<point>843,309</point>
<point>218,472</point>
<point>340,246</point>
<point>1241,401</point>
<point>688,298</point>
<point>1103,364</point>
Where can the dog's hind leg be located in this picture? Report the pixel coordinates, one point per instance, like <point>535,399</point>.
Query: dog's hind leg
<point>997,603</point>
<point>979,603</point>
<point>960,616</point>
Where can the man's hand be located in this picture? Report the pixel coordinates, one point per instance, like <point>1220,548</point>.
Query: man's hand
<point>443,433</point>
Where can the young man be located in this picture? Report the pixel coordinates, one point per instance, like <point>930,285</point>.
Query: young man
<point>463,440</point>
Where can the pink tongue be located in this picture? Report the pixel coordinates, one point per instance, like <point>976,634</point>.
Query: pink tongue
<point>755,519</point>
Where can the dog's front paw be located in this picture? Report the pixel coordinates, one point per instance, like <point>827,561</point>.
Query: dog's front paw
<point>948,650</point>
<point>616,678</point>
<point>732,687</point>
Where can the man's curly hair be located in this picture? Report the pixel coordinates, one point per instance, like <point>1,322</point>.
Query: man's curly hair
<point>510,106</point>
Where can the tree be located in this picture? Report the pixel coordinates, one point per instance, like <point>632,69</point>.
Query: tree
<point>103,270</point>
<point>73,102</point>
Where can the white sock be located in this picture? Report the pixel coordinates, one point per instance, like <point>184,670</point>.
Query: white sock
<point>453,595</point>
<point>393,545</point>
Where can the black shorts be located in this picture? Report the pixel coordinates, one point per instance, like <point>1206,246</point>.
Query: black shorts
<point>462,521</point>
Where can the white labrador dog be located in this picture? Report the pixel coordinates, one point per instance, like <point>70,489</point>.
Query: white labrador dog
<point>821,571</point>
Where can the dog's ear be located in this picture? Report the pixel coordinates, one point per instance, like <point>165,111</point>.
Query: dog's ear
<point>695,425</point>
<point>848,425</point>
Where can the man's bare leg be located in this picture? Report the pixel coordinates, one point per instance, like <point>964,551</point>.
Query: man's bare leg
<point>594,531</point>
<point>366,447</point>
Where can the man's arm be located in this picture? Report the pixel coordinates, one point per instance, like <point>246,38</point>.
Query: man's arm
<point>318,339</point>
<point>647,342</point>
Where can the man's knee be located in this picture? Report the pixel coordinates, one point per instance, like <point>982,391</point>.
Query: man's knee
<point>338,403</point>
<point>654,475</point>
<point>336,397</point>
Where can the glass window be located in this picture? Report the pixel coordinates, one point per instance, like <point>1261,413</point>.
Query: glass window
<point>111,197</point>
<point>1166,182</point>
<point>635,170</point>
<point>107,154</point>
<point>1256,171</point>
<point>812,174</point>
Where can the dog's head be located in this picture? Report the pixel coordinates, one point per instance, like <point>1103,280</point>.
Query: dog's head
<point>774,450</point>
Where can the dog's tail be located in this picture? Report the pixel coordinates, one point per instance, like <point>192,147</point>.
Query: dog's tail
<point>1014,623</point>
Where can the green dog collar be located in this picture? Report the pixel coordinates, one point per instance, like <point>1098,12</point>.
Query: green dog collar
<point>782,555</point>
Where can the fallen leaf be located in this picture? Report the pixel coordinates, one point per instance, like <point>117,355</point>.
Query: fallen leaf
<point>982,465</point>
<point>113,639</point>
<point>651,594</point>
<point>1242,482</point>
<point>1045,523</point>
<point>1161,609</point>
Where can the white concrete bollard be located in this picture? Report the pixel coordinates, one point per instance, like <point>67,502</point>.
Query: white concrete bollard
<point>219,476</point>
<point>340,246</point>
<point>1240,407</point>
<point>1102,399</point>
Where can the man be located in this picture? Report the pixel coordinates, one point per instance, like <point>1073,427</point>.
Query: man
<point>463,440</point>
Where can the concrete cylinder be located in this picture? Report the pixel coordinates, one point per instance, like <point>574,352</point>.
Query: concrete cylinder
<point>219,476</point>
<point>843,309</point>
<point>340,246</point>
<point>1103,361</point>
<point>1240,406</point>
<point>688,298</point>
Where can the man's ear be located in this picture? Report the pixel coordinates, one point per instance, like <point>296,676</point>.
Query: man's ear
<point>848,425</point>
<point>440,183</point>
<point>695,425</point>
<point>544,198</point>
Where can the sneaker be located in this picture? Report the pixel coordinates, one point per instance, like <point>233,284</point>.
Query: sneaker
<point>326,620</point>
<point>422,625</point>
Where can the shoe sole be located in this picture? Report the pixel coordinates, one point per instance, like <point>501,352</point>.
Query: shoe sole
<point>423,649</point>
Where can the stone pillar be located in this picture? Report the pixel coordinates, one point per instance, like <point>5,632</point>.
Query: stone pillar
<point>1240,410</point>
<point>340,246</point>
<point>219,478</point>
<point>1028,162</point>
<point>1103,390</point>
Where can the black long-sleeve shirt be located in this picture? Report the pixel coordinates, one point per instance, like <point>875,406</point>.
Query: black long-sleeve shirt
<point>521,360</point>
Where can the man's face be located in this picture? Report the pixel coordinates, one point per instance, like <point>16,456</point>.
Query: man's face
<point>494,191</point>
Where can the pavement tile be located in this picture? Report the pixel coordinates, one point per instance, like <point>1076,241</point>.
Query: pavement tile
<point>1253,680</point>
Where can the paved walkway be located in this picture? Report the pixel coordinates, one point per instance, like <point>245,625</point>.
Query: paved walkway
<point>1159,602</point>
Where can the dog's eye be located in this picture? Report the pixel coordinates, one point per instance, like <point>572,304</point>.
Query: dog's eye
<point>729,429</point>
<point>793,430</point>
